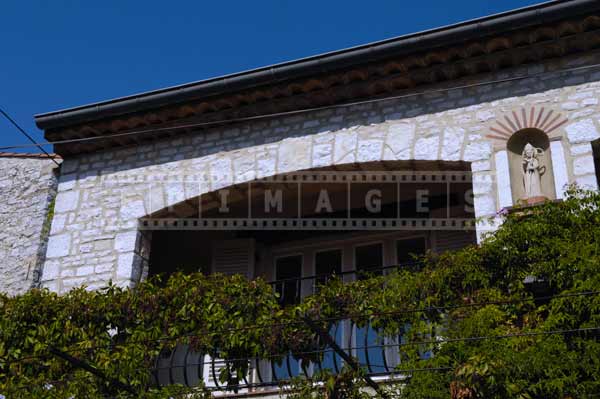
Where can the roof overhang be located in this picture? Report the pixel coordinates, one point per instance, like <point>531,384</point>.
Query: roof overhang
<point>232,91</point>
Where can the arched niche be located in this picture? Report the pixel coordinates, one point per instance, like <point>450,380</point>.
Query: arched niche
<point>515,148</point>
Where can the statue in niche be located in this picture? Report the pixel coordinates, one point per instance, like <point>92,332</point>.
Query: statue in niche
<point>532,171</point>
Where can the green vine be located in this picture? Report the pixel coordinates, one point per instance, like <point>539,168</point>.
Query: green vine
<point>48,220</point>
<point>478,292</point>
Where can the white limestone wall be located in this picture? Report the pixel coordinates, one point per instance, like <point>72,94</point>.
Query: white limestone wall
<point>101,196</point>
<point>27,187</point>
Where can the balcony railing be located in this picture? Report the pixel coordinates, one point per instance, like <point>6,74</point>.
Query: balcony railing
<point>300,285</point>
<point>376,353</point>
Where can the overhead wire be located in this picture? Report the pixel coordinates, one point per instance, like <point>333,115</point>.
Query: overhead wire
<point>300,111</point>
<point>23,132</point>
<point>320,320</point>
<point>396,370</point>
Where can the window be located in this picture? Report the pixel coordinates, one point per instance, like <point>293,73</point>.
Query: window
<point>288,269</point>
<point>368,258</point>
<point>406,248</point>
<point>327,263</point>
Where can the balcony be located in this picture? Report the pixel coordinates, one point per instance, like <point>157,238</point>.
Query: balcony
<point>377,354</point>
<point>299,230</point>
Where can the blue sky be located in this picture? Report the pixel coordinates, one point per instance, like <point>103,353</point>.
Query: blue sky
<point>60,54</point>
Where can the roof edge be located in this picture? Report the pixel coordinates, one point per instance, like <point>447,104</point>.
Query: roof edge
<point>420,41</point>
<point>29,155</point>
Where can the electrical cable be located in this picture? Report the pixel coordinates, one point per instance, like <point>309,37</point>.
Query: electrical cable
<point>23,132</point>
<point>299,111</point>
<point>331,319</point>
<point>437,341</point>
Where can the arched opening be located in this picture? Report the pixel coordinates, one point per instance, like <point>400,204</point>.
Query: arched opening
<point>530,165</point>
<point>251,228</point>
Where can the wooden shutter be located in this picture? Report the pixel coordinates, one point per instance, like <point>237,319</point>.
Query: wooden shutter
<point>452,240</point>
<point>229,257</point>
<point>233,257</point>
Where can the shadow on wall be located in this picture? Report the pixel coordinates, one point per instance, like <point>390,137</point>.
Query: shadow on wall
<point>271,130</point>
<point>596,152</point>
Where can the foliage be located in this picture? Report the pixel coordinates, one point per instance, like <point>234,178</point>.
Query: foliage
<point>478,292</point>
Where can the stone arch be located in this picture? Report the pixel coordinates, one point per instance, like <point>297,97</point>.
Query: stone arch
<point>208,202</point>
<point>400,142</point>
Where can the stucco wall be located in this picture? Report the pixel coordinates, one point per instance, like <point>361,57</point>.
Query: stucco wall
<point>27,188</point>
<point>94,234</point>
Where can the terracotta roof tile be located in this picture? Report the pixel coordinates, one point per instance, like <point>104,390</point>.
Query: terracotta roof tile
<point>28,155</point>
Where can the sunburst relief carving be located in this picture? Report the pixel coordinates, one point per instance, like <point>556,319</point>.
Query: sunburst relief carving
<point>543,119</point>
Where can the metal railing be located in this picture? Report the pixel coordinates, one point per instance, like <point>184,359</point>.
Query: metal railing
<point>310,284</point>
<point>377,354</point>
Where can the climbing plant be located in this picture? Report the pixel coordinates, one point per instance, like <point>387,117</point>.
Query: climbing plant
<point>516,317</point>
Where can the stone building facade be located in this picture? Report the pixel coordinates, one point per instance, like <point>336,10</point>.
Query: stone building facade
<point>446,100</point>
<point>498,112</point>
<point>28,184</point>
<point>101,196</point>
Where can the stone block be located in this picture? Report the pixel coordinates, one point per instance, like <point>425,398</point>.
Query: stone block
<point>74,282</point>
<point>244,167</point>
<point>294,154</point>
<point>58,246</point>
<point>477,151</point>
<point>66,201</point>
<point>125,265</point>
<point>126,241</point>
<point>67,182</point>
<point>52,285</point>
<point>322,155</point>
<point>453,141</point>
<point>369,150</point>
<point>485,115</point>
<point>104,268</point>
<point>85,271</point>
<point>584,165</point>
<point>399,141</point>
<point>480,166</point>
<point>582,131</point>
<point>58,224</point>
<point>483,183</point>
<point>155,198</point>
<point>132,209</point>
<point>485,205</point>
<point>345,147</point>
<point>221,173</point>
<point>426,148</point>
<point>67,272</point>
<point>175,192</point>
<point>103,245</point>
<point>580,149</point>
<point>51,270</point>
<point>588,182</point>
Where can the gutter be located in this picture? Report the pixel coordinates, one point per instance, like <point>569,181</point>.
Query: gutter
<point>402,45</point>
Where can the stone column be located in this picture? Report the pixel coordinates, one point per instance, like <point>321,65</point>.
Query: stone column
<point>559,166</point>
<point>503,179</point>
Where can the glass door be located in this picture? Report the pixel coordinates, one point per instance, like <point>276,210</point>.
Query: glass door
<point>368,344</point>
<point>328,263</point>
